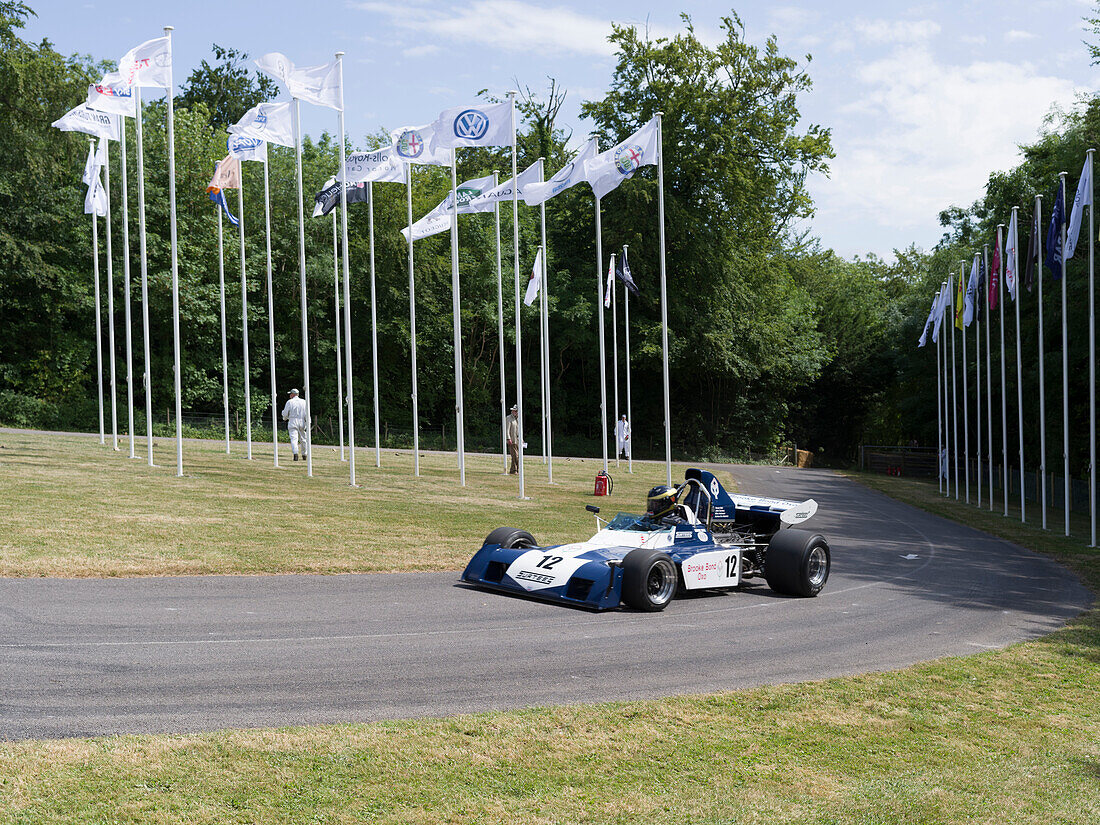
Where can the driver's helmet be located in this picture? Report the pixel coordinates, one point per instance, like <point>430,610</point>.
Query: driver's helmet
<point>660,501</point>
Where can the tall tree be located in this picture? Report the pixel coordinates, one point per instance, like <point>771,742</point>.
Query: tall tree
<point>228,88</point>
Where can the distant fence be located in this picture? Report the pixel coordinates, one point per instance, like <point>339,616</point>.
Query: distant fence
<point>913,462</point>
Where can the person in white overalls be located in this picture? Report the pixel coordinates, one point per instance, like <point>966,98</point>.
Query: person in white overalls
<point>294,413</point>
<point>622,438</point>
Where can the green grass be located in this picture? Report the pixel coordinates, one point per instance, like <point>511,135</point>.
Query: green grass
<point>1010,736</point>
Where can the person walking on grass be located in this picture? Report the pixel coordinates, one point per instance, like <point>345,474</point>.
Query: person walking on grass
<point>294,413</point>
<point>513,439</point>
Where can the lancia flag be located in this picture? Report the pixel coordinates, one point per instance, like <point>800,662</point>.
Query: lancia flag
<point>269,122</point>
<point>488,124</point>
<point>148,65</point>
<point>569,175</point>
<point>319,85</point>
<point>1054,235</point>
<point>608,169</point>
<point>622,272</point>
<point>1082,199</point>
<point>415,144</point>
<point>534,281</point>
<point>89,121</point>
<point>112,94</point>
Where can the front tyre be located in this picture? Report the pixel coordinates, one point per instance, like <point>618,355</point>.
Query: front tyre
<point>509,537</point>
<point>649,579</point>
<point>797,563</point>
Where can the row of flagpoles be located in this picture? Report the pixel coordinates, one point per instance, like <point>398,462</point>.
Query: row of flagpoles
<point>989,277</point>
<point>149,65</point>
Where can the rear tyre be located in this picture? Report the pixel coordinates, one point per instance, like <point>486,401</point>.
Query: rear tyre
<point>797,563</point>
<point>649,579</point>
<point>509,537</point>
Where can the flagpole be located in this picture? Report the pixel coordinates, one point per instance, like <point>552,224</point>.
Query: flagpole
<point>519,327</point>
<point>148,377</point>
<point>542,296</point>
<point>500,331</point>
<point>954,395</point>
<point>1092,370</point>
<point>374,328</point>
<point>175,266</point>
<point>221,304</point>
<point>545,311</point>
<point>615,354</point>
<point>296,109</point>
<point>1019,368</point>
<point>110,293</point>
<point>271,320</point>
<point>664,291</point>
<point>939,403</point>
<point>244,317</point>
<point>948,441</point>
<point>988,377</point>
<point>412,320</point>
<point>1042,365</point>
<point>126,287</point>
<point>978,379</point>
<point>456,310</point>
<point>98,310</point>
<point>966,393</point>
<point>347,276</point>
<point>1065,366</point>
<point>626,331</point>
<point>1004,403</point>
<point>603,347</point>
<point>339,322</point>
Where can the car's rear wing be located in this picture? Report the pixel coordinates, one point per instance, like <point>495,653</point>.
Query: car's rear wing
<point>737,508</point>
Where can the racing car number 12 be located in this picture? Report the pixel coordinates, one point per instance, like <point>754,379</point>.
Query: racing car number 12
<point>718,568</point>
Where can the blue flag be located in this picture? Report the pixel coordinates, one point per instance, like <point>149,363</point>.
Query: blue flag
<point>1053,259</point>
<point>218,196</point>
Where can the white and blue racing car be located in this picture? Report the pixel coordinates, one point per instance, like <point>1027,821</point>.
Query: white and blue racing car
<point>695,536</point>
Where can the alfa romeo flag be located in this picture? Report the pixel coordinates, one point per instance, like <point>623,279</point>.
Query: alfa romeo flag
<point>416,144</point>
<point>148,65</point>
<point>608,169</point>
<point>488,124</point>
<point>319,85</point>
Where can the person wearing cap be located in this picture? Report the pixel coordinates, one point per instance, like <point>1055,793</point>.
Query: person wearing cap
<point>513,439</point>
<point>294,413</point>
<point>622,438</point>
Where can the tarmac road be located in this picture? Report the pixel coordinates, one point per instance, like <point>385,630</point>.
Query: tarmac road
<point>171,655</point>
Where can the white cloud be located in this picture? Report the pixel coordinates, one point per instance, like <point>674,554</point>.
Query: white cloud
<point>421,51</point>
<point>1016,36</point>
<point>896,31</point>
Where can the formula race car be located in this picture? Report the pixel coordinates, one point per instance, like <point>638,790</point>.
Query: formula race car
<point>695,536</point>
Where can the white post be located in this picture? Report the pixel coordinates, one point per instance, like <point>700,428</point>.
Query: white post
<point>629,417</point>
<point>456,310</point>
<point>412,321</point>
<point>542,300</point>
<point>1092,373</point>
<point>664,293</point>
<point>244,319</point>
<point>615,354</point>
<point>1004,395</point>
<point>966,398</point>
<point>148,376</point>
<point>347,277</point>
<point>296,110</point>
<point>988,377</point>
<point>1042,365</point>
<point>374,330</point>
<point>978,381</point>
<point>1065,365</point>
<point>948,440</point>
<point>175,268</point>
<point>1019,368</point>
<point>339,323</point>
<point>954,396</point>
<point>221,306</point>
<point>98,316</point>
<point>110,294</point>
<point>939,409</point>
<point>500,332</point>
<point>545,314</point>
<point>271,324</point>
<point>603,346</point>
<point>126,288</point>
<point>519,327</point>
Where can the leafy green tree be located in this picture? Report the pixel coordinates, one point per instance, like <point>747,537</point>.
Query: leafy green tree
<point>228,87</point>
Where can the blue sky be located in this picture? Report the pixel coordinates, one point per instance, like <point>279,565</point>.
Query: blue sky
<point>925,99</point>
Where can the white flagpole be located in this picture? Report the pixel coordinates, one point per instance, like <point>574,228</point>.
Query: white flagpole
<point>412,319</point>
<point>615,353</point>
<point>626,331</point>
<point>603,348</point>
<point>347,280</point>
<point>110,294</point>
<point>456,310</point>
<point>988,376</point>
<point>954,396</point>
<point>948,441</point>
<point>175,267</point>
<point>1092,372</point>
<point>339,323</point>
<point>1065,367</point>
<point>664,292</point>
<point>542,301</point>
<point>1042,365</point>
<point>244,319</point>
<point>271,323</point>
<point>148,377</point>
<point>544,308</point>
<point>1004,402</point>
<point>374,328</point>
<point>98,314</point>
<point>126,288</point>
<point>978,382</point>
<point>1019,368</point>
<point>296,109</point>
<point>519,327</point>
<point>500,333</point>
<point>939,407</point>
<point>221,304</point>
<point>966,399</point>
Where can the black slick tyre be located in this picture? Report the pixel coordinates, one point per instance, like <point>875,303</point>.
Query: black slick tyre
<point>797,563</point>
<point>509,537</point>
<point>649,579</point>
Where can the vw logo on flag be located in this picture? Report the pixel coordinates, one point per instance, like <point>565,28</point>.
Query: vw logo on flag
<point>471,125</point>
<point>628,158</point>
<point>410,144</point>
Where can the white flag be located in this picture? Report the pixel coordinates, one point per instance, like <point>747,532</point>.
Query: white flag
<point>1012,260</point>
<point>319,85</point>
<point>608,169</point>
<point>379,166</point>
<point>415,144</point>
<point>270,122</point>
<point>89,121</point>
<point>941,308</point>
<point>485,202</point>
<point>95,201</point>
<point>439,219</point>
<point>487,124</point>
<point>243,147</point>
<point>971,293</point>
<point>928,324</point>
<point>1083,199</point>
<point>97,157</point>
<point>569,175</point>
<point>148,65</point>
<point>534,281</point>
<point>112,94</point>
<point>610,282</point>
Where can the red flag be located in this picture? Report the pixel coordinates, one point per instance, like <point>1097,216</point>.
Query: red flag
<point>995,275</point>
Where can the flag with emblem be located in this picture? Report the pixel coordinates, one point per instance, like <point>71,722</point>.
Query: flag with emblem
<point>608,169</point>
<point>243,147</point>
<point>439,219</point>
<point>415,144</point>
<point>534,281</point>
<point>269,122</point>
<point>487,200</point>
<point>148,65</point>
<point>482,124</point>
<point>89,121</point>
<point>569,175</point>
<point>227,175</point>
<point>378,165</point>
<point>319,85</point>
<point>329,197</point>
<point>112,94</point>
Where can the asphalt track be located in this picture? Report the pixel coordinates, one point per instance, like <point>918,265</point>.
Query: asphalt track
<point>174,655</point>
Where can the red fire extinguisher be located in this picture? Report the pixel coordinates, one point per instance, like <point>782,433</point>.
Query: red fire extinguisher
<point>604,484</point>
